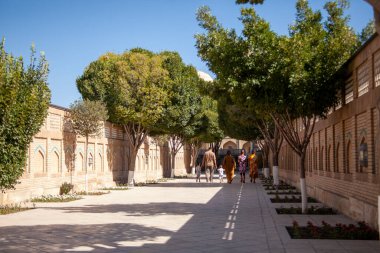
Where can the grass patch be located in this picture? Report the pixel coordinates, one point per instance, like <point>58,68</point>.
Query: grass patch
<point>55,198</point>
<point>292,199</point>
<point>311,210</point>
<point>116,188</point>
<point>83,193</point>
<point>8,209</point>
<point>338,232</point>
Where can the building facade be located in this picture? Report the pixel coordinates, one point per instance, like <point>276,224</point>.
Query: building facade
<point>343,155</point>
<point>56,155</point>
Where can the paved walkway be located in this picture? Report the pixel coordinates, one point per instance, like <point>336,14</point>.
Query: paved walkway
<point>178,216</point>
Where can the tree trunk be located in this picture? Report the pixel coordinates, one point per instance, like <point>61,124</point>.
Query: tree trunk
<point>277,143</point>
<point>276,179</point>
<point>298,141</point>
<point>264,146</point>
<point>265,160</point>
<point>172,164</point>
<point>85,164</point>
<point>131,167</point>
<point>303,183</point>
<point>175,143</point>
<point>273,139</point>
<point>215,147</point>
<point>275,158</point>
<point>135,136</point>
<point>194,152</point>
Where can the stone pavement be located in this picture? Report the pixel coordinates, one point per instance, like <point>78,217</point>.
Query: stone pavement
<point>178,216</point>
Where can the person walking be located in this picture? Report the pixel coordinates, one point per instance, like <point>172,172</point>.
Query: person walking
<point>221,173</point>
<point>229,166</point>
<point>253,168</point>
<point>198,170</point>
<point>242,161</point>
<point>209,163</point>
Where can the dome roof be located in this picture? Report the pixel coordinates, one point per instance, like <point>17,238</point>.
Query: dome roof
<point>204,76</point>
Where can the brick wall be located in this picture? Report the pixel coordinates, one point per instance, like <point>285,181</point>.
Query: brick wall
<point>56,155</point>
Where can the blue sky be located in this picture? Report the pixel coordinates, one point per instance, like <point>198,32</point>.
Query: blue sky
<point>72,33</point>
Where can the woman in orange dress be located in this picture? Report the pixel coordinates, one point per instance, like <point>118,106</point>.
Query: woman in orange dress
<point>229,166</point>
<point>253,168</point>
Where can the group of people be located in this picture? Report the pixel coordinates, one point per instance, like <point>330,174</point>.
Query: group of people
<point>228,166</point>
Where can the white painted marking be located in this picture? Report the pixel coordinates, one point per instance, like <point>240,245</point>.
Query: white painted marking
<point>81,248</point>
<point>230,235</point>
<point>104,246</point>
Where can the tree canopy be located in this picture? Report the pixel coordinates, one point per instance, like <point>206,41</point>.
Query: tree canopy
<point>367,32</point>
<point>289,78</point>
<point>24,101</point>
<point>87,117</point>
<point>184,98</point>
<point>134,88</point>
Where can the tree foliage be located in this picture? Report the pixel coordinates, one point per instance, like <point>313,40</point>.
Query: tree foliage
<point>134,88</point>
<point>24,101</point>
<point>87,117</point>
<point>210,130</point>
<point>184,98</point>
<point>367,32</point>
<point>180,120</point>
<point>293,79</point>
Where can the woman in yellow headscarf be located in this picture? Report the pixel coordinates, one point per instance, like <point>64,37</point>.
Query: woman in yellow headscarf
<point>253,168</point>
<point>229,166</point>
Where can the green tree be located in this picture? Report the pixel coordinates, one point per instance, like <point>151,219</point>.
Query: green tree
<point>133,86</point>
<point>210,130</point>
<point>316,51</point>
<point>243,64</point>
<point>367,32</point>
<point>249,123</point>
<point>180,121</point>
<point>24,101</point>
<point>87,119</point>
<point>292,79</point>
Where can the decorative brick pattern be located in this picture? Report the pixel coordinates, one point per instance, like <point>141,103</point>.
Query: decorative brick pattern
<point>56,155</point>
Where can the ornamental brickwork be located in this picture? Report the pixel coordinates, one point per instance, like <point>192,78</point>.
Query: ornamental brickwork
<point>56,155</point>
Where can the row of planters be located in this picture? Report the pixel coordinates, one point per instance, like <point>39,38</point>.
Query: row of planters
<point>284,193</point>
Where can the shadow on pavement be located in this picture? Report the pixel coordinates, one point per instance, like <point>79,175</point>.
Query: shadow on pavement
<point>231,221</point>
<point>149,209</point>
<point>76,238</point>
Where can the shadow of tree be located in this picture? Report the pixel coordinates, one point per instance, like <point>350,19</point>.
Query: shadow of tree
<point>149,209</point>
<point>205,231</point>
<point>74,238</point>
<point>189,185</point>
